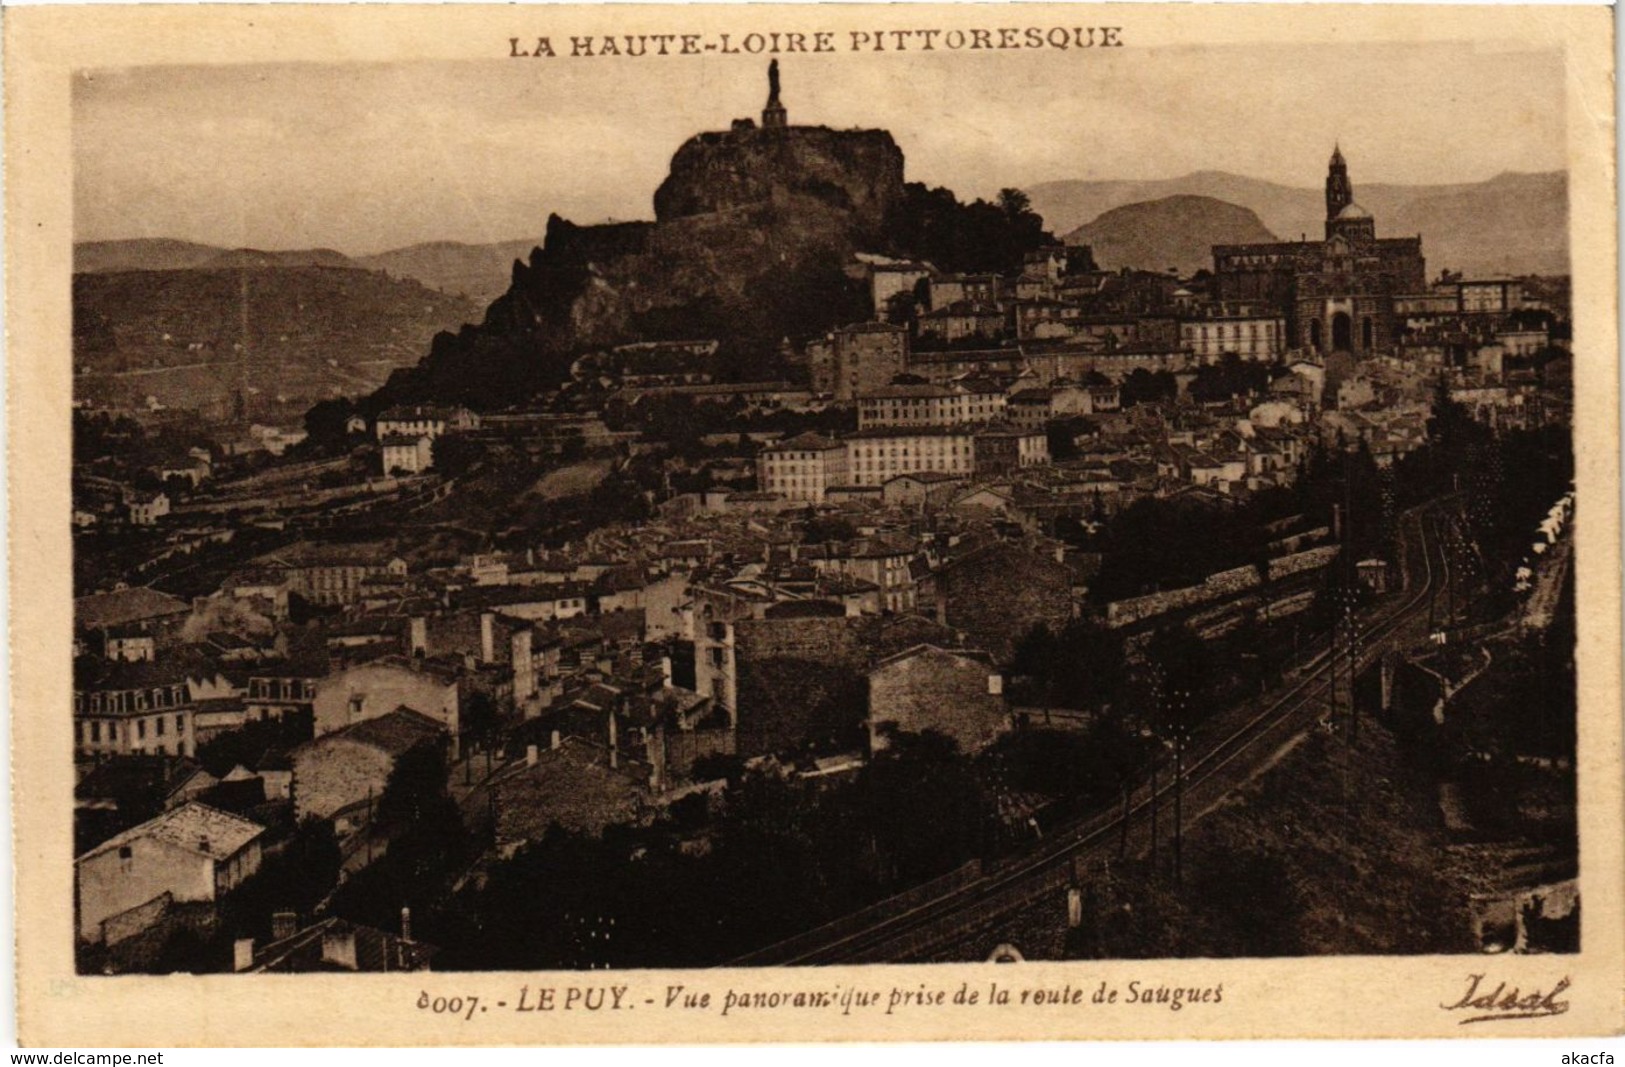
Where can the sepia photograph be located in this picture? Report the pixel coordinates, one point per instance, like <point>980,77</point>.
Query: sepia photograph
<point>782,490</point>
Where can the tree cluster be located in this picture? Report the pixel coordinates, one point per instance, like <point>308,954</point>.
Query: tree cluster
<point>769,859</point>
<point>980,237</point>
<point>1230,377</point>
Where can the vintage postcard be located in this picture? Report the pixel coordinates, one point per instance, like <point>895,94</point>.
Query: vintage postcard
<point>653,524</point>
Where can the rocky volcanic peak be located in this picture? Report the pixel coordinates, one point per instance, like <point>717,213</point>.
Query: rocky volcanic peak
<point>754,230</point>
<point>859,171</point>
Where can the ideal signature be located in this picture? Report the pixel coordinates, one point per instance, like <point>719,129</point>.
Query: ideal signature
<point>1504,1003</point>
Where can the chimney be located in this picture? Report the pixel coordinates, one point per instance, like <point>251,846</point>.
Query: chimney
<point>655,745</point>
<point>338,947</point>
<point>242,954</point>
<point>665,672</point>
<point>531,755</point>
<point>420,636</point>
<point>553,742</point>
<point>614,742</point>
<point>284,924</point>
<point>406,924</point>
<point>488,650</point>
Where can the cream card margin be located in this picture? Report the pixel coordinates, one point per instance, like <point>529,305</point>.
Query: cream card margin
<point>1344,997</point>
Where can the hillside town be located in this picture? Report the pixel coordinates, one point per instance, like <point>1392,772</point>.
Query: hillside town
<point>720,659</point>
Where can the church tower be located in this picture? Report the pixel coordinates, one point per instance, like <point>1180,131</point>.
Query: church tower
<point>1345,218</point>
<point>773,115</point>
<point>1339,193</point>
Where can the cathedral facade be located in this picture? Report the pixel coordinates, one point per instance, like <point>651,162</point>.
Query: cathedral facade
<point>1338,293</point>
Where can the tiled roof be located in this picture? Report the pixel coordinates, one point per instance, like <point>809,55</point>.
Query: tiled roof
<point>398,732</point>
<point>415,413</point>
<point>331,554</point>
<point>927,648</point>
<point>94,672</point>
<point>198,828</point>
<point>136,604</point>
<point>926,477</point>
<point>804,442</point>
<point>906,392</point>
<point>910,431</point>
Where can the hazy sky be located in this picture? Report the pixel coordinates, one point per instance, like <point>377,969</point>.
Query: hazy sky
<point>363,158</point>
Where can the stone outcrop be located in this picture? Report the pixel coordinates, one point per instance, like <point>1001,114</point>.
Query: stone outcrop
<point>856,171</point>
<point>754,231</point>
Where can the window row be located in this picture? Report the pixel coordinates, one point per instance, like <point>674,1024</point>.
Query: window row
<point>95,731</point>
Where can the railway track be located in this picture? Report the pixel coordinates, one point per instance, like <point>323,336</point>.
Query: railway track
<point>1218,767</point>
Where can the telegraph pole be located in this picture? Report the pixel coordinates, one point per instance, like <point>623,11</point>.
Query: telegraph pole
<point>1179,809</point>
<point>1122,833</point>
<point>1433,587</point>
<point>1178,708</point>
<point>1154,755</point>
<point>1331,666</point>
<point>1350,597</point>
<point>1156,711</point>
<point>1354,668</point>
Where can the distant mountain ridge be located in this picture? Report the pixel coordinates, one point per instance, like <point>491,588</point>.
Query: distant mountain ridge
<point>140,253</point>
<point>282,336</point>
<point>251,258</point>
<point>1175,231</point>
<point>1511,224</point>
<point>480,272</point>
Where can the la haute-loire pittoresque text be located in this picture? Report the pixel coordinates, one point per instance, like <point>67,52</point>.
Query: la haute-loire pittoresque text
<point>992,39</point>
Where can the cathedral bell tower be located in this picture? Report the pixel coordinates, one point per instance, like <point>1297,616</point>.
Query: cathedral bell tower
<point>1339,193</point>
<point>773,115</point>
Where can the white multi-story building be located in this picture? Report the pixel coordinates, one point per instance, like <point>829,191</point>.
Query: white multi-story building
<point>930,405</point>
<point>147,508</point>
<point>407,453</point>
<point>802,467</point>
<point>875,456</point>
<point>1248,334</point>
<point>132,709</point>
<point>887,280</point>
<point>193,853</point>
<point>427,420</point>
<point>1003,449</point>
<point>1494,294</point>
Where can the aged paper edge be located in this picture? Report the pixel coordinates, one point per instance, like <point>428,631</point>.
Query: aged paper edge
<point>1342,997</point>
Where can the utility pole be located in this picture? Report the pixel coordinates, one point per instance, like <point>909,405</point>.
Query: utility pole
<point>1154,755</point>
<point>1350,597</point>
<point>1433,587</point>
<point>1450,578</point>
<point>1156,712</point>
<point>1178,718</point>
<point>1331,668</point>
<point>1179,810</point>
<point>1122,830</point>
<point>1343,622</point>
<point>1354,665</point>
